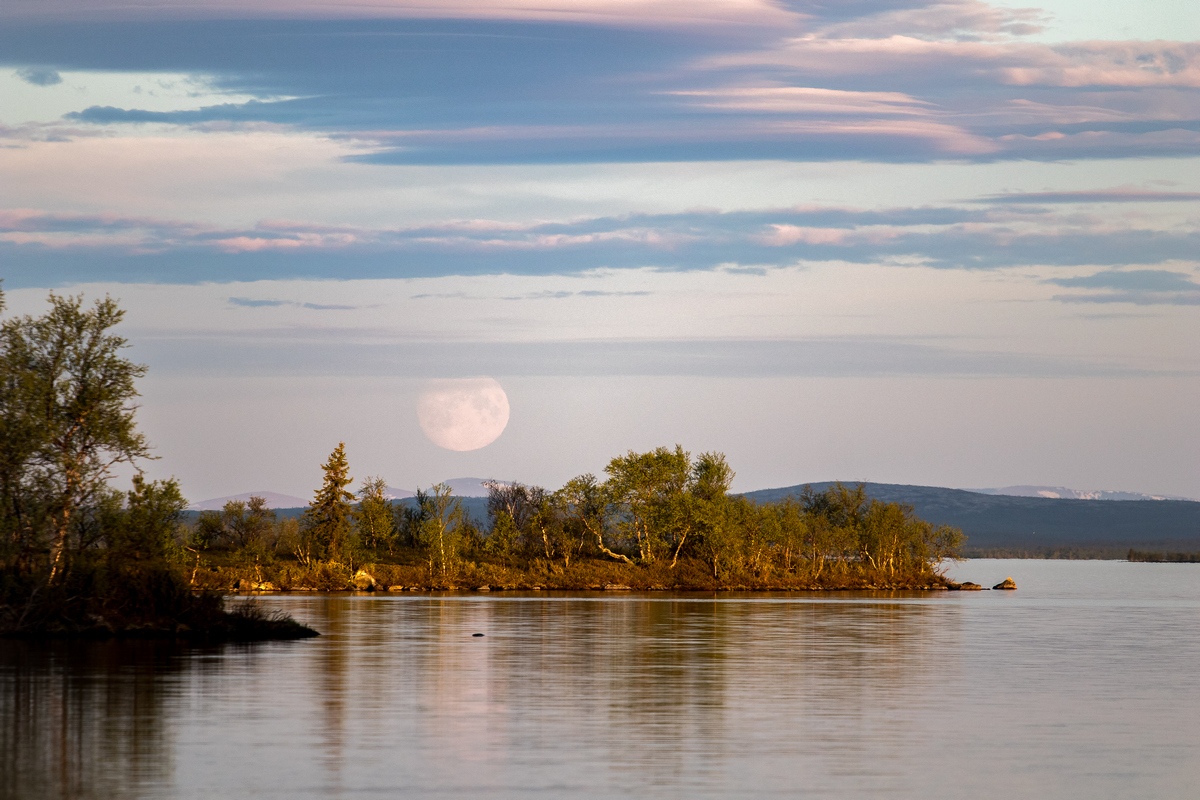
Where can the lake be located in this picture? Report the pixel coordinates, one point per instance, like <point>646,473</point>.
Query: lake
<point>1084,683</point>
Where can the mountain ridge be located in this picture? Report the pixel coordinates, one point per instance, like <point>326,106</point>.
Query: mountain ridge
<point>1037,525</point>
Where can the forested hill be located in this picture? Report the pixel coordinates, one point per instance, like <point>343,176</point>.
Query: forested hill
<point>1040,525</point>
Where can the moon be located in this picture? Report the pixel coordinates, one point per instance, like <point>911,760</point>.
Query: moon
<point>464,413</point>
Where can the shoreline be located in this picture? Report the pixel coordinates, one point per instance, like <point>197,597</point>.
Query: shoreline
<point>246,622</point>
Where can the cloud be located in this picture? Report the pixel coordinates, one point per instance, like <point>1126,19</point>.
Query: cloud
<point>919,63</point>
<point>562,295</point>
<point>1137,286</point>
<point>1143,280</point>
<point>804,100</point>
<point>646,13</point>
<point>1135,298</point>
<point>345,354</point>
<point>968,20</point>
<point>1119,195</point>
<point>246,302</point>
<point>39,76</point>
<point>45,249</point>
<point>896,82</point>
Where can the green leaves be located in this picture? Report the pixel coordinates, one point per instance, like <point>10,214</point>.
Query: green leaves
<point>66,420</point>
<point>374,519</point>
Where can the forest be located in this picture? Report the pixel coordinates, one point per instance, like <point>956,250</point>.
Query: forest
<point>78,555</point>
<point>660,519</point>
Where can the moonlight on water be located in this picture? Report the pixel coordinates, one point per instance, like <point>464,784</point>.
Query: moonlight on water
<point>464,413</point>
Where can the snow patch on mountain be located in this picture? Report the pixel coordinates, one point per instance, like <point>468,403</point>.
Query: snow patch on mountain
<point>1064,493</point>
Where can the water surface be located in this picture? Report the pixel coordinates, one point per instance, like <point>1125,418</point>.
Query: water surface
<point>1082,684</point>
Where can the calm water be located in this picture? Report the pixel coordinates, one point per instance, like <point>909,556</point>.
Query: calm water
<point>1085,683</point>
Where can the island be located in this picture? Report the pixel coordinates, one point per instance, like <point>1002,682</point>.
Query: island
<point>80,558</point>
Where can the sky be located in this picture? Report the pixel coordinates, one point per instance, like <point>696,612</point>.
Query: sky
<point>938,243</point>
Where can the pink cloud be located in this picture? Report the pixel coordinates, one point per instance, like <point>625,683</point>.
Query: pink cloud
<point>803,99</point>
<point>962,19</point>
<point>305,241</point>
<point>655,13</point>
<point>1116,64</point>
<point>1123,64</point>
<point>784,235</point>
<point>942,136</point>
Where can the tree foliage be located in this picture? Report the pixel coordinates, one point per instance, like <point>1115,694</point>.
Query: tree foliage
<point>374,520</point>
<point>328,519</point>
<point>440,526</point>
<point>66,421</point>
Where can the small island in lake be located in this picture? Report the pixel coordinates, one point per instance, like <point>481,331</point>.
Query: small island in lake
<point>79,558</point>
<point>659,520</point>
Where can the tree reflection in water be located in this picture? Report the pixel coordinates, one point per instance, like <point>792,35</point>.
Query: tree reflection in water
<point>85,719</point>
<point>602,695</point>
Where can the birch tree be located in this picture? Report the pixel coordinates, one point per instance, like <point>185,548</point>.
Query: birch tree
<point>66,420</point>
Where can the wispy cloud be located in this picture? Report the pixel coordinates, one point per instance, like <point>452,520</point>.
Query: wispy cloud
<point>39,76</point>
<point>1119,195</point>
<point>1009,234</point>
<point>247,302</point>
<point>1136,286</point>
<point>651,13</point>
<point>267,353</point>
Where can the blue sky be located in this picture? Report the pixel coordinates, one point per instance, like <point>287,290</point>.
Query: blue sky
<point>943,243</point>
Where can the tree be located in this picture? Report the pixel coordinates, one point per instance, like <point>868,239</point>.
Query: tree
<point>67,405</point>
<point>525,518</point>
<point>373,518</point>
<point>705,505</point>
<point>147,523</point>
<point>587,506</point>
<point>247,529</point>
<point>648,490</point>
<point>439,520</point>
<point>327,519</point>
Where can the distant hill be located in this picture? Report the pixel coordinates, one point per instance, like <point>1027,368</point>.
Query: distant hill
<point>459,487</point>
<point>1063,493</point>
<point>274,500</point>
<point>469,487</point>
<point>1041,525</point>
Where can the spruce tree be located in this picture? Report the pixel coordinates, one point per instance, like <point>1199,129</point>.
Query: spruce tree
<point>328,519</point>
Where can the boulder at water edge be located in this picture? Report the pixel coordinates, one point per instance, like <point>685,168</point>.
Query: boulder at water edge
<point>1007,583</point>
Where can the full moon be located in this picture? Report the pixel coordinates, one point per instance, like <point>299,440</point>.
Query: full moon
<point>463,414</point>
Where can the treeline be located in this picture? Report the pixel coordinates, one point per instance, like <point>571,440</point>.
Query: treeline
<point>658,519</point>
<point>1170,558</point>
<point>76,555</point>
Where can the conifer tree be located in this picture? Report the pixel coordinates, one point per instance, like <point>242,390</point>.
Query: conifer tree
<point>328,519</point>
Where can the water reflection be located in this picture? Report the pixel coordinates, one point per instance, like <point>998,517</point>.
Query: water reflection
<point>626,695</point>
<point>632,693</point>
<point>85,719</point>
<point>568,695</point>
